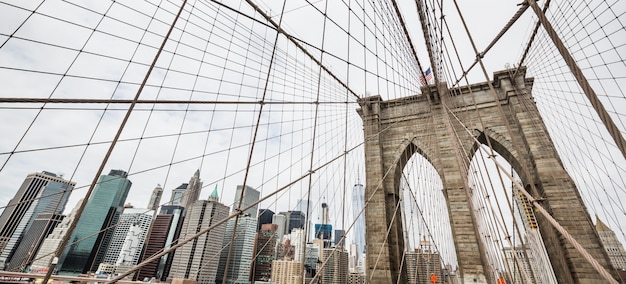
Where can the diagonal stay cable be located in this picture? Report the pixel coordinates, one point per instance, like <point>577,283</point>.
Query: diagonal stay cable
<point>250,155</point>
<point>516,16</point>
<point>313,139</point>
<point>304,50</point>
<point>408,37</point>
<point>531,40</point>
<point>582,81</point>
<point>232,215</point>
<point>113,143</point>
<point>136,102</point>
<point>535,203</point>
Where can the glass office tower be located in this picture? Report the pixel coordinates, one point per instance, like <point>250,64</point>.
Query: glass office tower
<point>92,235</point>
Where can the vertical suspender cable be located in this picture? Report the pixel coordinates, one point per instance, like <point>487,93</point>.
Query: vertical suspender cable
<point>256,130</point>
<point>580,77</point>
<point>81,208</point>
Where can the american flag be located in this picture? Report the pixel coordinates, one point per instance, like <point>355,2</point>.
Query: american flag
<point>429,76</point>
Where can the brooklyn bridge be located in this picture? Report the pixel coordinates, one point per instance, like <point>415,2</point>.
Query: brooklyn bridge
<point>311,141</point>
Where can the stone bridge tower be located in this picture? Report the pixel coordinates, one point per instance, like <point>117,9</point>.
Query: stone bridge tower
<point>397,129</point>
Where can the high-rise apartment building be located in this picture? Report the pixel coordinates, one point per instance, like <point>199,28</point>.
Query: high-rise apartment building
<point>94,229</point>
<point>612,245</point>
<point>286,272</point>
<point>519,265</point>
<point>129,237</point>
<point>336,269</point>
<point>155,198</point>
<point>422,263</point>
<point>40,193</point>
<point>264,252</point>
<point>535,248</point>
<point>285,250</point>
<point>356,278</point>
<point>198,260</point>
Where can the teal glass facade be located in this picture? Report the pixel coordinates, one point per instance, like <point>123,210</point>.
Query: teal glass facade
<point>89,241</point>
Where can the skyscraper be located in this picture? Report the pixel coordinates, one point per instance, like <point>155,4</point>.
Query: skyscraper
<point>281,221</point>
<point>324,229</point>
<point>324,232</point>
<point>612,245</point>
<point>241,253</point>
<point>422,263</point>
<point>264,252</point>
<point>295,220</point>
<point>192,193</point>
<point>336,269</point>
<point>301,205</point>
<point>535,248</point>
<point>52,242</point>
<point>92,234</point>
<point>250,195</point>
<point>237,267</point>
<point>198,259</point>
<point>353,260</point>
<point>296,239</point>
<point>339,234</point>
<point>129,237</point>
<point>155,198</point>
<point>358,195</point>
<point>311,260</point>
<point>187,193</point>
<point>176,198</point>
<point>25,252</point>
<point>40,193</point>
<point>410,258</point>
<point>324,214</point>
<point>286,272</point>
<point>520,271</point>
<point>265,217</point>
<point>164,231</point>
<point>155,241</point>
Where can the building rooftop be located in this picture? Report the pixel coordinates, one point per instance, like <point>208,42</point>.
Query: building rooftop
<point>600,226</point>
